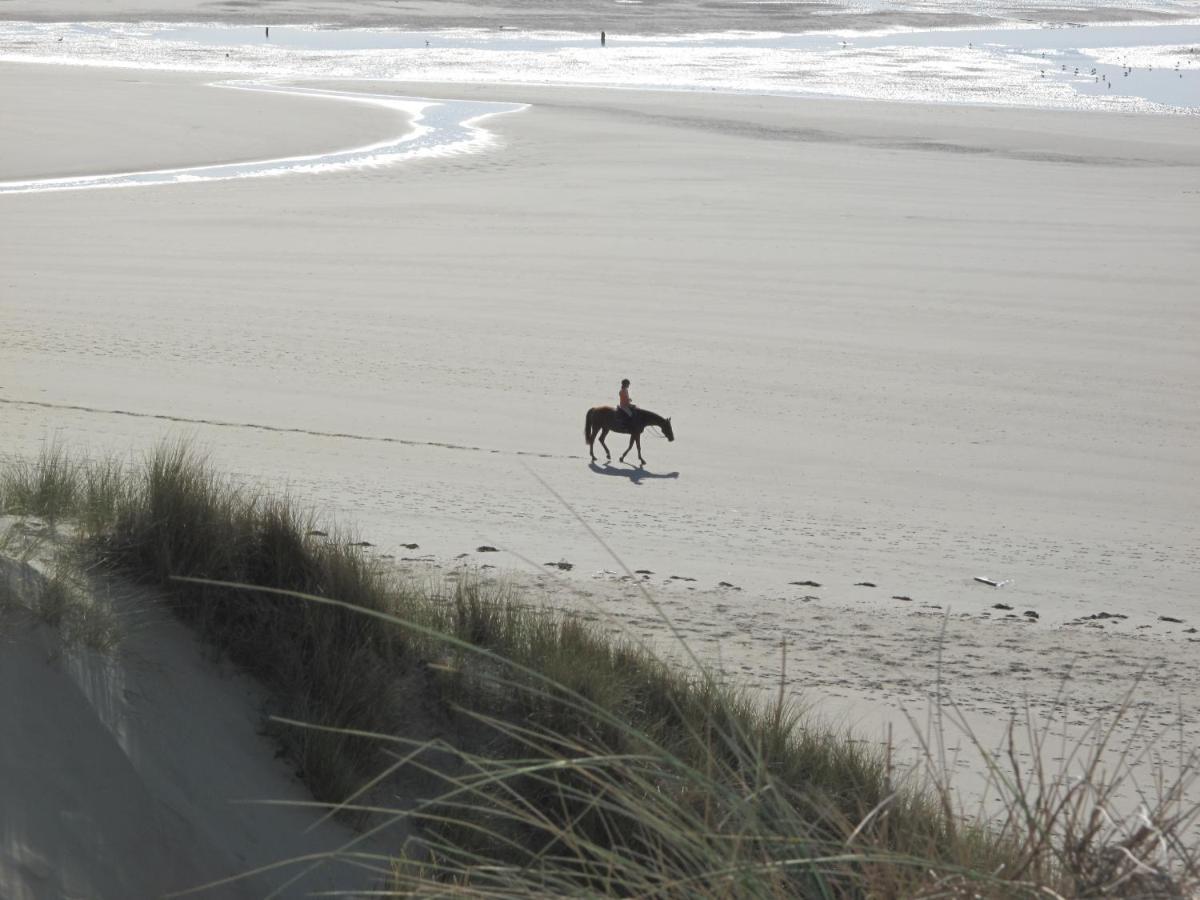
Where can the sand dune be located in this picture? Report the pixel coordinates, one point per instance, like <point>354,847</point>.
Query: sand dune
<point>136,774</point>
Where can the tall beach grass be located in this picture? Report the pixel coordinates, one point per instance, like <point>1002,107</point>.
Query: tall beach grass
<point>534,754</point>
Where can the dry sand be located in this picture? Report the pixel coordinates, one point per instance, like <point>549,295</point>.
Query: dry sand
<point>144,771</point>
<point>901,345</point>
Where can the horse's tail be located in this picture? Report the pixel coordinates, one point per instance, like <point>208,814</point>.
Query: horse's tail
<point>587,427</point>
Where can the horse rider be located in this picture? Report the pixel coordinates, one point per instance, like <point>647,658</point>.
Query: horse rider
<point>624,404</point>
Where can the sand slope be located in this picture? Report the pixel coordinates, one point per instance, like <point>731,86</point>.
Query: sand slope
<point>129,776</point>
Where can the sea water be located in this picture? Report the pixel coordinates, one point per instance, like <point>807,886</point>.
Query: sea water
<point>1146,68</point>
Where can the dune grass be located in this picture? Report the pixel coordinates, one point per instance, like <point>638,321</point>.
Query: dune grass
<point>47,487</point>
<point>41,576</point>
<point>555,759</point>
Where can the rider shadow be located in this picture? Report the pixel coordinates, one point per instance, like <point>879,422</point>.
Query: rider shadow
<point>635,475</point>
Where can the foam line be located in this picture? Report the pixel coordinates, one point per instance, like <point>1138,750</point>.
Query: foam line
<point>439,128</point>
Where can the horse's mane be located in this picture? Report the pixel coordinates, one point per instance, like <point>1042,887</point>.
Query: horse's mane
<point>653,417</point>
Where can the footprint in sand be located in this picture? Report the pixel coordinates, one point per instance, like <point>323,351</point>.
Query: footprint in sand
<point>484,548</point>
<point>864,584</point>
<point>805,583</point>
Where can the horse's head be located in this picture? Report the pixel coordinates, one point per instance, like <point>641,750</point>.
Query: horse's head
<point>668,430</point>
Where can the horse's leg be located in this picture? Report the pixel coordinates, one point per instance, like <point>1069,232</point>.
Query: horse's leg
<point>639,446</point>
<point>607,453</point>
<point>632,438</point>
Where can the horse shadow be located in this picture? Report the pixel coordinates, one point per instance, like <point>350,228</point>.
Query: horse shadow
<point>635,474</point>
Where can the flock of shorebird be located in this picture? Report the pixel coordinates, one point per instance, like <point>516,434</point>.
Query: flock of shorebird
<point>1097,75</point>
<point>1127,70</point>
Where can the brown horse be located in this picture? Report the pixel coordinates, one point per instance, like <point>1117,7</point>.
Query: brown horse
<point>603,419</point>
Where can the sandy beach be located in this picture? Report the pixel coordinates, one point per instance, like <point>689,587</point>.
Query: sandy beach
<point>903,347</point>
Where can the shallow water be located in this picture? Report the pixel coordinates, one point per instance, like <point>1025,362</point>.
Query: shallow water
<point>440,128</point>
<point>1013,38</point>
<point>1047,67</point>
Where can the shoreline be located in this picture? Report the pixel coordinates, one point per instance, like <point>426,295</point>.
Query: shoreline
<point>454,132</point>
<point>895,67</point>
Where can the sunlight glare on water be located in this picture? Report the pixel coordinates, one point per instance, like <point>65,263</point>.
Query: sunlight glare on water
<point>1150,68</point>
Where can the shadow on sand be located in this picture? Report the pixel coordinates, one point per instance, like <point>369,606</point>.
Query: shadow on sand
<point>633,473</point>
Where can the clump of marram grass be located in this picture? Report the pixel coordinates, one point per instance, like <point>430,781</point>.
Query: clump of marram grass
<point>555,759</point>
<point>47,487</point>
<point>56,591</point>
<point>63,600</point>
<point>1069,826</point>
